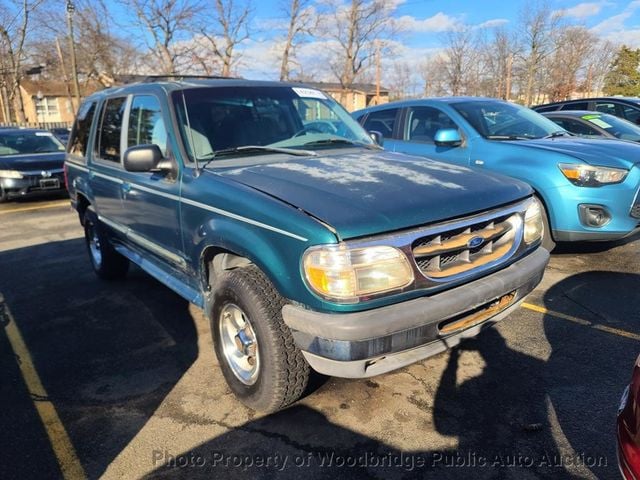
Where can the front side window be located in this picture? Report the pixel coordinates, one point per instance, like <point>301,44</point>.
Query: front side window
<point>496,120</point>
<point>110,130</point>
<point>81,129</point>
<point>223,122</point>
<point>383,121</point>
<point>606,107</point>
<point>424,122</point>
<point>146,125</point>
<point>632,114</point>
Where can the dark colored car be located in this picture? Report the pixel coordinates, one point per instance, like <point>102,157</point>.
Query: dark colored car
<point>628,428</point>
<point>306,245</point>
<point>61,133</point>
<point>595,124</point>
<point>31,161</point>
<point>623,107</point>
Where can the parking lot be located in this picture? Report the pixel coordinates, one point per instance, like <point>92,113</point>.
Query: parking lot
<point>119,380</point>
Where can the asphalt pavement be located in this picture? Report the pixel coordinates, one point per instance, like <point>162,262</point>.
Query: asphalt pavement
<point>119,380</point>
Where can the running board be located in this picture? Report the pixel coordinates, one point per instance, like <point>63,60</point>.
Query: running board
<point>180,287</point>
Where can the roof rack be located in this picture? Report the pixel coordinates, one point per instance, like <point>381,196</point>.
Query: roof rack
<point>178,77</point>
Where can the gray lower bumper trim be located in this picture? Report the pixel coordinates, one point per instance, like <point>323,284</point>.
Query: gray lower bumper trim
<point>386,363</point>
<point>391,329</point>
<point>571,236</point>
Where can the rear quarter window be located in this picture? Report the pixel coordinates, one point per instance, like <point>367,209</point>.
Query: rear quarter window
<point>383,121</point>
<point>79,139</point>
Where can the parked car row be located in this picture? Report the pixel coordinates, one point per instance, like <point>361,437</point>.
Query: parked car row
<point>588,187</point>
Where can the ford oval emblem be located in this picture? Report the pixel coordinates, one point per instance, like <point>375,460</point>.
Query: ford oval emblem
<point>475,242</point>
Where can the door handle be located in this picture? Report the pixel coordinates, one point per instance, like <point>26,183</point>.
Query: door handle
<point>126,187</point>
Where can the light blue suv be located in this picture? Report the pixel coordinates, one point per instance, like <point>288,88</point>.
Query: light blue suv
<point>589,187</point>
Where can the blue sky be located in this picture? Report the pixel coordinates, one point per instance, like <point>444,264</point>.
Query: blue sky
<point>426,22</point>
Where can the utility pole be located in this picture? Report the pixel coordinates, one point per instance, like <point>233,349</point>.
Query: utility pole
<point>378,73</point>
<point>509,73</point>
<point>71,8</point>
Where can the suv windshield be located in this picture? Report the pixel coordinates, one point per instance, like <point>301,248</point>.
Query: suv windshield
<point>505,121</point>
<point>28,142</point>
<point>223,120</point>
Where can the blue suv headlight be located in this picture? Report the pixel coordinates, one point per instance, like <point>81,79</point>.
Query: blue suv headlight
<point>589,176</point>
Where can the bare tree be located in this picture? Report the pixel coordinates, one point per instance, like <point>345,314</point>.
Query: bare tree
<point>538,29</point>
<point>461,56</point>
<point>14,25</point>
<point>432,73</point>
<point>301,21</point>
<point>598,66</point>
<point>574,46</point>
<point>498,59</point>
<point>355,28</point>
<point>231,21</point>
<point>165,21</point>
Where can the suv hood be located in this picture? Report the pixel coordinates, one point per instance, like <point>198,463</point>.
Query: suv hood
<point>30,162</point>
<point>367,193</point>
<point>601,152</point>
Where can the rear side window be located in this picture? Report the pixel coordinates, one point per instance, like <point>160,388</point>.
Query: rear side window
<point>576,106</point>
<point>81,128</point>
<point>146,126</point>
<point>606,107</point>
<point>383,121</point>
<point>110,130</point>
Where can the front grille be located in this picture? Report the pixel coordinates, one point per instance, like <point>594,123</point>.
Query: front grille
<point>453,252</point>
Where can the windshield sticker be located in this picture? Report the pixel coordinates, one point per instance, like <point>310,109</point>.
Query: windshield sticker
<point>309,93</point>
<point>44,134</point>
<point>599,123</point>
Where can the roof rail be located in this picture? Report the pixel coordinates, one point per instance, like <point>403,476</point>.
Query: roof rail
<point>178,77</point>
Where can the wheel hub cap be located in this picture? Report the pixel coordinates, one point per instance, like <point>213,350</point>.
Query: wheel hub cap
<point>239,344</point>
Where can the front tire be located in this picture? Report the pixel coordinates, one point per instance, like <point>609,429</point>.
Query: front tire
<point>255,348</point>
<point>106,262</point>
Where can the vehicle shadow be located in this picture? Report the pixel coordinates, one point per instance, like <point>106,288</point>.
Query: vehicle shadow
<point>593,247</point>
<point>107,353</point>
<point>589,367</point>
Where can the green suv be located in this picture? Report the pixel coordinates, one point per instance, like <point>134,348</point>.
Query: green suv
<point>306,245</point>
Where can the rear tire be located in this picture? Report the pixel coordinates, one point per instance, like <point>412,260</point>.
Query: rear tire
<point>106,262</point>
<point>547,238</point>
<point>255,348</point>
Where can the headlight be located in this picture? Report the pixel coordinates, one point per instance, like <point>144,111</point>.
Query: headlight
<point>588,176</point>
<point>10,174</point>
<point>343,274</point>
<point>533,225</point>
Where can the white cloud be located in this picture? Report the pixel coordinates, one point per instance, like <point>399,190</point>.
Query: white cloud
<point>496,22</point>
<point>583,10</point>
<point>614,30</point>
<point>440,22</point>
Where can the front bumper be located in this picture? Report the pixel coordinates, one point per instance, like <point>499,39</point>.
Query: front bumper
<point>33,183</point>
<point>364,344</point>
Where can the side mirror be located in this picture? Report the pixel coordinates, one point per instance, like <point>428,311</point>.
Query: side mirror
<point>145,158</point>
<point>447,137</point>
<point>377,137</point>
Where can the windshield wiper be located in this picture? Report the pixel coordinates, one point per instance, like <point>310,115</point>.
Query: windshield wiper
<point>558,133</point>
<point>340,141</point>
<point>253,149</point>
<point>508,137</point>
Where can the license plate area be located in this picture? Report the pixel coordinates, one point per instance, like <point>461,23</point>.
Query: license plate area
<point>478,316</point>
<point>49,183</point>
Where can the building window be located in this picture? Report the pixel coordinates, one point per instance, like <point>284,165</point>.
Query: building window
<point>47,109</point>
